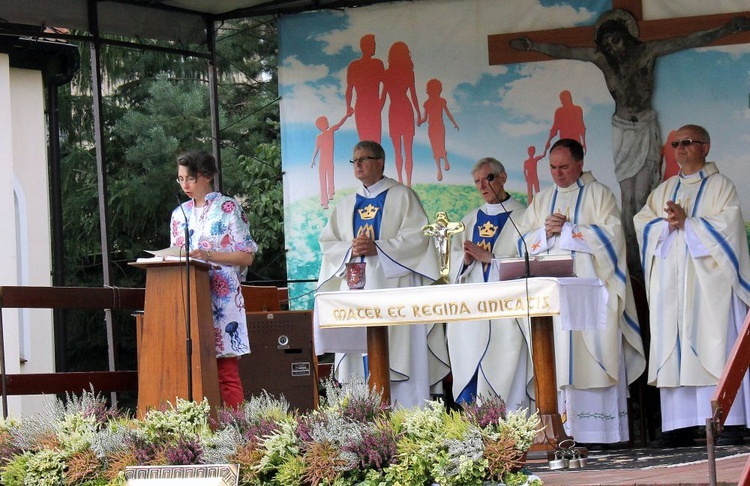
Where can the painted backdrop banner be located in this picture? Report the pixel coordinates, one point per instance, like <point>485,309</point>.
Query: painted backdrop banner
<point>415,76</point>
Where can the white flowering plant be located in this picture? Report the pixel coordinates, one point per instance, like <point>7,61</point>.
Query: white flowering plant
<point>352,439</point>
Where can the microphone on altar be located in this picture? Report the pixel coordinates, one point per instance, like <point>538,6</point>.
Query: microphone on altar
<point>188,337</point>
<point>490,178</point>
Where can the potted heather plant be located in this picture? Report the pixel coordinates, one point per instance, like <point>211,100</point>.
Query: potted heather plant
<point>351,439</point>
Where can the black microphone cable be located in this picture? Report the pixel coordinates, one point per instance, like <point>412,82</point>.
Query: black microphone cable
<point>490,178</point>
<point>188,335</point>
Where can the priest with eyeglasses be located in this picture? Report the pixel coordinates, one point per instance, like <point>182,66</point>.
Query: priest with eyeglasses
<point>693,248</point>
<point>381,225</point>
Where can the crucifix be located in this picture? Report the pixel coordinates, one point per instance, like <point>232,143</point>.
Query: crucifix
<point>441,231</point>
<point>625,48</point>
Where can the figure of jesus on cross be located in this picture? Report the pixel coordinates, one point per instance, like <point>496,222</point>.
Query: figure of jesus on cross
<point>628,67</point>
<point>442,230</point>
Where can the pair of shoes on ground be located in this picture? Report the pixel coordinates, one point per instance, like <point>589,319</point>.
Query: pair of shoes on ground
<point>675,438</point>
<point>595,446</point>
<point>732,435</point>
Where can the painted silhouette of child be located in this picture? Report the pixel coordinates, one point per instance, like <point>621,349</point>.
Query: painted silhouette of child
<point>324,147</point>
<point>433,115</point>
<point>530,173</point>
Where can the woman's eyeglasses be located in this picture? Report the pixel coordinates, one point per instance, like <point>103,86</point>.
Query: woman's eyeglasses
<point>685,142</point>
<point>188,180</point>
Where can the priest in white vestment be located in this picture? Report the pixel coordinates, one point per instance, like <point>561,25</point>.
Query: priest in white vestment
<point>382,225</point>
<point>579,216</point>
<point>697,273</point>
<point>489,358</point>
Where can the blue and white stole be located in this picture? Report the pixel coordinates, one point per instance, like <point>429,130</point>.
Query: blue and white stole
<point>368,215</point>
<point>486,232</point>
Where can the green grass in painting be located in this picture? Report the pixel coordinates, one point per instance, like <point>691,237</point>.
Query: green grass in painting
<point>305,220</point>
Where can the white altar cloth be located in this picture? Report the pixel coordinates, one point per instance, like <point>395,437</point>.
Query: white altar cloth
<point>581,303</point>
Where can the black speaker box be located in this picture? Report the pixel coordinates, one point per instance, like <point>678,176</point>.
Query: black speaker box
<point>282,360</point>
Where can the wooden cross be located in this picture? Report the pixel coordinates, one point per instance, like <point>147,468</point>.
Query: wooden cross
<point>500,51</point>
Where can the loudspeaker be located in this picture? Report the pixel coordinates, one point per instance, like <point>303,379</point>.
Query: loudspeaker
<point>281,359</point>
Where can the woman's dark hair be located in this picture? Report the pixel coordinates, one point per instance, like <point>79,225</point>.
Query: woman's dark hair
<point>199,162</point>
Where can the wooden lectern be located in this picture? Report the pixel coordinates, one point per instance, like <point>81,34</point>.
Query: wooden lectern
<point>162,336</point>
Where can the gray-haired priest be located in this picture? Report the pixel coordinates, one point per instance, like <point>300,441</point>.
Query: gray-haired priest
<point>488,358</point>
<point>695,260</point>
<point>382,225</point>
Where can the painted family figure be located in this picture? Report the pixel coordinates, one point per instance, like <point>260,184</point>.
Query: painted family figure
<point>628,65</point>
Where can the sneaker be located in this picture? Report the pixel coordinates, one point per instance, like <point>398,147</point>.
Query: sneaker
<point>732,435</point>
<point>674,438</point>
<point>609,446</point>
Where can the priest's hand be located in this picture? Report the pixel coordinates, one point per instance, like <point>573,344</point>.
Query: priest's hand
<point>363,246</point>
<point>675,216</point>
<point>553,224</point>
<point>472,252</point>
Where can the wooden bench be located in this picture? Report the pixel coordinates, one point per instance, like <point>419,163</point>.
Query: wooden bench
<point>257,298</point>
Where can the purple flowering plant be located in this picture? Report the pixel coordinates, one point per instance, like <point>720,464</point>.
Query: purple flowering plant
<point>350,439</point>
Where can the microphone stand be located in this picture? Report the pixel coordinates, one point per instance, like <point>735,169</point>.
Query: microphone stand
<point>188,336</point>
<point>490,178</point>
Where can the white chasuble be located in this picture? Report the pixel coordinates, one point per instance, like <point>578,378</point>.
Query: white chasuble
<point>490,357</point>
<point>594,366</point>
<point>406,257</point>
<point>698,285</point>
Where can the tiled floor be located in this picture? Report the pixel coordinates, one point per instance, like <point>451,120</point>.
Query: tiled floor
<point>685,466</point>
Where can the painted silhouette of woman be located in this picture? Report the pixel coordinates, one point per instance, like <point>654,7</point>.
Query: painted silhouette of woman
<point>398,83</point>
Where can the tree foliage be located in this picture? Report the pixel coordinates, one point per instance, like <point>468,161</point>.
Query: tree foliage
<point>155,106</point>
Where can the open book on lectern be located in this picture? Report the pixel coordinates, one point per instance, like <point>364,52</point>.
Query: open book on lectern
<point>539,266</point>
<point>169,254</point>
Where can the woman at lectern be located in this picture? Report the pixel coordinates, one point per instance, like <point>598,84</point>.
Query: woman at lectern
<point>218,233</point>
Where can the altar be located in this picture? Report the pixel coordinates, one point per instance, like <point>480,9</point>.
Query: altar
<point>580,303</point>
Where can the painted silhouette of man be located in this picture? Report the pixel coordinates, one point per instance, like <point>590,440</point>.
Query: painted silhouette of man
<point>568,122</point>
<point>628,67</point>
<point>363,79</point>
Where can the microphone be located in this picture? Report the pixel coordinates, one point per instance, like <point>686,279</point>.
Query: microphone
<point>527,266</point>
<point>187,230</point>
<point>188,336</point>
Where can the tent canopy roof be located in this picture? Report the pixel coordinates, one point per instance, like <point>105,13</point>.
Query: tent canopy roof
<point>181,21</point>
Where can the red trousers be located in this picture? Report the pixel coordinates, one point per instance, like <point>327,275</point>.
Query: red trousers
<point>230,385</point>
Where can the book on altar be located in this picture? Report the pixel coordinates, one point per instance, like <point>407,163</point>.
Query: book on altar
<point>539,266</point>
<point>169,254</point>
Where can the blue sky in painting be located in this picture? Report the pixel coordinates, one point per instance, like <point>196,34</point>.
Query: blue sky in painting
<point>501,110</point>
